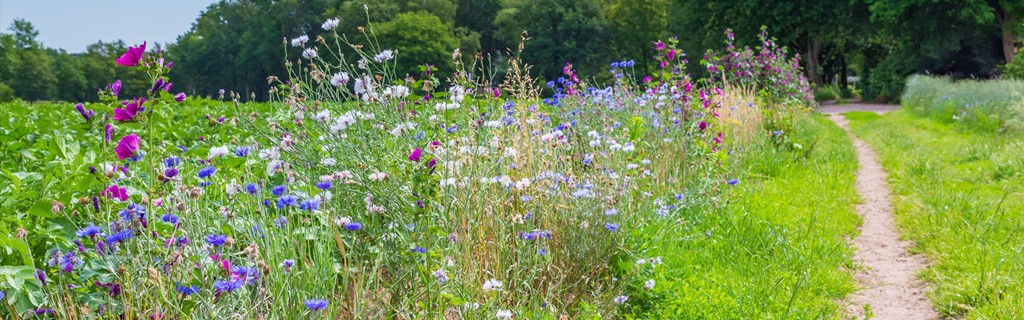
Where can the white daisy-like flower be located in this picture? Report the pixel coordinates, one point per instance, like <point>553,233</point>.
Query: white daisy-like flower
<point>342,122</point>
<point>339,79</point>
<point>328,162</point>
<point>330,24</point>
<point>457,93</point>
<point>504,314</point>
<point>492,284</point>
<point>300,40</point>
<point>218,151</point>
<point>385,55</point>
<point>378,176</point>
<point>309,53</point>
<point>322,115</point>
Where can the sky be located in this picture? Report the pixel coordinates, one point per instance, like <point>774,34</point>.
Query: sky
<point>73,25</point>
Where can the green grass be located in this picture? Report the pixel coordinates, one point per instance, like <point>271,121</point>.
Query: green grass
<point>983,106</point>
<point>958,196</point>
<point>778,251</point>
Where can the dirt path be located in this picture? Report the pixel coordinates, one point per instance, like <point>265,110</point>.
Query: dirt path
<point>888,277</point>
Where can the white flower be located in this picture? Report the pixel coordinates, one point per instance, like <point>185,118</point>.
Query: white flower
<point>378,176</point>
<point>504,314</point>
<point>384,55</point>
<point>272,153</point>
<point>300,40</point>
<point>649,284</point>
<point>342,221</point>
<point>342,122</point>
<point>272,167</point>
<point>629,147</point>
<point>641,261</point>
<point>547,137</point>
<point>447,182</point>
<point>446,106</point>
<point>328,162</point>
<point>492,123</point>
<point>492,284</point>
<point>344,174</point>
<point>322,115</point>
<point>457,93</point>
<point>522,184</point>
<point>398,92</point>
<point>232,188</point>
<point>330,24</point>
<point>309,53</point>
<point>440,275</point>
<point>511,152</point>
<point>620,299</point>
<point>339,79</point>
<point>217,152</point>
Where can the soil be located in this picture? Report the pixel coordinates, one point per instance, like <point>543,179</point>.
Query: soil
<point>887,276</point>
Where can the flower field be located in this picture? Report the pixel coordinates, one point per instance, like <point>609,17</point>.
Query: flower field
<point>357,193</point>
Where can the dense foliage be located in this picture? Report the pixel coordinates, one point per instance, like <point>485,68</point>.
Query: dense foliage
<point>236,44</point>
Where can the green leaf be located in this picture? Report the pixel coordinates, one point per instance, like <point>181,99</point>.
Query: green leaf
<point>42,209</point>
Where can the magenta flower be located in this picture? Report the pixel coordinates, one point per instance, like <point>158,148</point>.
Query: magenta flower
<point>127,146</point>
<point>115,192</point>
<point>132,57</point>
<point>415,155</point>
<point>128,112</point>
<point>180,97</point>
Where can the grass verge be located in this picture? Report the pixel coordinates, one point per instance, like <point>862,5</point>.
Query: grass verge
<point>780,250</point>
<point>958,196</point>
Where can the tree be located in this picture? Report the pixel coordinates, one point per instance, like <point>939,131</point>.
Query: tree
<point>418,38</point>
<point>637,24</point>
<point>561,31</point>
<point>1008,14</point>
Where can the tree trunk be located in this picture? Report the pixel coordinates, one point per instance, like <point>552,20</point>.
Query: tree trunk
<point>813,53</point>
<point>843,84</point>
<point>1006,25</point>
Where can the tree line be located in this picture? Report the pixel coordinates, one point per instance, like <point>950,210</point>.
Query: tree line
<point>235,45</point>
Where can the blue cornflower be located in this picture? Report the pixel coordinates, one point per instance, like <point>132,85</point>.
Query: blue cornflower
<point>182,149</point>
<point>171,172</point>
<point>551,84</point>
<point>170,218</point>
<point>611,227</point>
<point>277,191</point>
<point>89,231</point>
<point>323,185</point>
<point>205,184</point>
<point>207,172</point>
<point>280,222</point>
<point>287,201</point>
<point>187,290</point>
<point>353,226</point>
<point>266,203</point>
<point>2,295</point>
<point>733,182</point>
<point>252,188</point>
<point>316,304</point>
<point>419,249</point>
<point>611,212</point>
<point>420,135</point>
<point>216,240</point>
<point>172,161</point>
<point>119,237</point>
<point>542,251</point>
<point>228,285</point>
<point>615,65</point>
<point>242,151</point>
<point>310,205</point>
<point>68,262</point>
<point>133,212</point>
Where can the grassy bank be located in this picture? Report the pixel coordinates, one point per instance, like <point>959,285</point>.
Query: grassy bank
<point>958,196</point>
<point>778,251</point>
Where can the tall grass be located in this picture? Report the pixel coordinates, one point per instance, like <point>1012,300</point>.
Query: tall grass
<point>987,106</point>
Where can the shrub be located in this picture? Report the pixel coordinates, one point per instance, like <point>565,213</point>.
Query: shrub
<point>6,93</point>
<point>885,82</point>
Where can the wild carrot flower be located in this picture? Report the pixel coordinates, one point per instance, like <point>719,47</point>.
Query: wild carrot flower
<point>132,56</point>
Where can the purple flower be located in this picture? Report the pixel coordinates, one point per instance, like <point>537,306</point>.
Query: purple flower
<point>611,227</point>
<point>323,185</point>
<point>113,289</point>
<point>157,85</point>
<point>287,265</point>
<point>180,97</point>
<point>42,311</point>
<point>67,262</point>
<point>216,240</point>
<point>132,56</point>
<point>419,249</point>
<point>733,182</point>
<point>109,130</point>
<point>416,155</point>
<point>252,188</point>
<point>187,290</point>
<point>207,172</point>
<point>41,276</point>
<point>316,304</point>
<point>170,218</point>
<point>310,205</point>
<point>171,172</point>
<point>112,192</point>
<point>277,191</point>
<point>2,295</point>
<point>115,88</point>
<point>228,285</point>
<point>85,114</point>
<point>131,108</point>
<point>89,231</point>
<point>127,146</point>
<point>353,226</point>
<point>119,237</point>
<point>287,201</point>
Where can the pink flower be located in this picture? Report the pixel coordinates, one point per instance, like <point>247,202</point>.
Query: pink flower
<point>415,155</point>
<point>115,192</point>
<point>132,57</point>
<point>127,146</point>
<point>128,112</point>
<point>659,46</point>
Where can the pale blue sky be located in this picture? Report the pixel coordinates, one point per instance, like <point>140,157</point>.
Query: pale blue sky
<point>74,24</point>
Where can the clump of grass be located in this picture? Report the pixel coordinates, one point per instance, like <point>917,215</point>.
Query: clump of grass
<point>987,106</point>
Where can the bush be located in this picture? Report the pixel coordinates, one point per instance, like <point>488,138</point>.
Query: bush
<point>884,82</point>
<point>826,93</point>
<point>1014,69</point>
<point>6,93</point>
